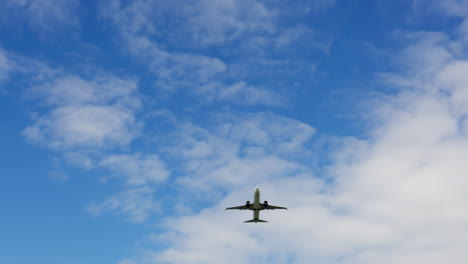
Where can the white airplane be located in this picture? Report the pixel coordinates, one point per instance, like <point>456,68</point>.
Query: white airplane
<point>256,207</point>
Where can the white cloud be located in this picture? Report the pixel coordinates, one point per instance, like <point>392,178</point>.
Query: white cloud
<point>430,49</point>
<point>95,113</point>
<point>83,127</point>
<point>242,248</point>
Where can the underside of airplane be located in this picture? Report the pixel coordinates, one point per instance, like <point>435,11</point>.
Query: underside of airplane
<point>256,207</point>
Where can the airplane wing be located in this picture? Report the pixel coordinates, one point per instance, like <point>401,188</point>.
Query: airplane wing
<point>273,207</point>
<point>240,207</point>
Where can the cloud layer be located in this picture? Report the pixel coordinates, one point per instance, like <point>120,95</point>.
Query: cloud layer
<point>398,196</point>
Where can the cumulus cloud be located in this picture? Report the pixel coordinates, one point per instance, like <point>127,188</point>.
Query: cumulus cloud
<point>85,113</point>
<point>83,126</point>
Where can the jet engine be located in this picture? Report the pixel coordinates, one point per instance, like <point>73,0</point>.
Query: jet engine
<point>247,204</point>
<point>265,204</point>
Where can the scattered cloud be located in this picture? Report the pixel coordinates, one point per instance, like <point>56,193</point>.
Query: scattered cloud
<point>87,120</point>
<point>397,196</point>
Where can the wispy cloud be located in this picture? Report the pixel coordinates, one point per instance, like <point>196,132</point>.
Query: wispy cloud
<point>241,93</point>
<point>140,175</point>
<point>233,20</point>
<point>449,8</point>
<point>137,203</point>
<point>137,169</point>
<point>45,15</point>
<point>5,65</point>
<point>247,28</point>
<point>236,152</point>
<point>193,19</point>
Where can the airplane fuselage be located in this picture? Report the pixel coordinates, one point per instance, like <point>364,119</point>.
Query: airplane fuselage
<point>256,206</point>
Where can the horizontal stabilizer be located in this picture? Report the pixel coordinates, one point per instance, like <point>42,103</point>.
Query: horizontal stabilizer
<point>255,221</point>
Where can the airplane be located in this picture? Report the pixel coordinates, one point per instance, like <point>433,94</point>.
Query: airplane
<point>256,207</point>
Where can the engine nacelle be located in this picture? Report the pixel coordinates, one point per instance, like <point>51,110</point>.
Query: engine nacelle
<point>247,204</point>
<point>265,204</point>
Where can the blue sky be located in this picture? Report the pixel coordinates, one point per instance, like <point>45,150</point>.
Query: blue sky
<point>128,126</point>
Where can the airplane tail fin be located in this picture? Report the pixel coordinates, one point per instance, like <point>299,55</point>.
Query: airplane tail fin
<point>255,221</point>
